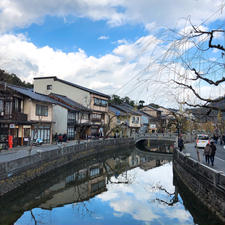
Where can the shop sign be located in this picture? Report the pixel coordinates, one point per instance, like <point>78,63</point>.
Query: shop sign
<point>152,126</point>
<point>26,126</point>
<point>12,126</point>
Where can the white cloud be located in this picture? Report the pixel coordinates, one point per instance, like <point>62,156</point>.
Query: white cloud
<point>103,38</point>
<point>138,200</point>
<point>107,73</point>
<point>150,26</point>
<point>20,13</point>
<point>128,71</point>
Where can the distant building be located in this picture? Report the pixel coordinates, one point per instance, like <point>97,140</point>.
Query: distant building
<point>155,115</point>
<point>73,120</point>
<point>133,118</point>
<point>25,115</point>
<point>94,100</point>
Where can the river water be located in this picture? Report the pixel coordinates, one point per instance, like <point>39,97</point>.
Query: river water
<point>124,186</point>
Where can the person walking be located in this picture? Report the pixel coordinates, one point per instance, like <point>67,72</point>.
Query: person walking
<point>180,143</point>
<point>207,152</point>
<point>223,138</point>
<point>213,152</point>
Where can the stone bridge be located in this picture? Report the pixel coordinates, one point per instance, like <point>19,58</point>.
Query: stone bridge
<point>155,137</point>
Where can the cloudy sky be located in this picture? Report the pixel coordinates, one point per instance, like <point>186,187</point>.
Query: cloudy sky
<point>107,45</point>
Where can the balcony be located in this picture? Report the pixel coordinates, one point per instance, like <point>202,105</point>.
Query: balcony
<point>18,116</point>
<point>96,120</point>
<point>71,121</point>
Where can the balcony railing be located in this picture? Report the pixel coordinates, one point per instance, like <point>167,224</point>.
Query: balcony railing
<point>18,116</point>
<point>96,120</point>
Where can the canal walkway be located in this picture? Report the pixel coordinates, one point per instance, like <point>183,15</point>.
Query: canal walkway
<point>219,163</point>
<point>24,151</point>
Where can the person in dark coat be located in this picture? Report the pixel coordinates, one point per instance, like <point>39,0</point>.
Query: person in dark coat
<point>180,143</point>
<point>213,152</point>
<point>223,137</point>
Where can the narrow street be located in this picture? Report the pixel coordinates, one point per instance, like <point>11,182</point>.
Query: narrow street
<point>219,163</point>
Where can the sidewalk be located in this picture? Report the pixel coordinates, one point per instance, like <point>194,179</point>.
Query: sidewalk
<point>24,151</point>
<point>219,162</point>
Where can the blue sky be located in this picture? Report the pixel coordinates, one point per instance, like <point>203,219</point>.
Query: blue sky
<point>94,37</point>
<point>113,46</point>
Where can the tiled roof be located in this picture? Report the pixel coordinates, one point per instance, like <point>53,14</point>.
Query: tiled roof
<point>115,110</point>
<point>126,108</point>
<point>146,114</point>
<point>36,96</point>
<point>74,85</point>
<point>149,106</point>
<point>31,94</point>
<point>70,102</point>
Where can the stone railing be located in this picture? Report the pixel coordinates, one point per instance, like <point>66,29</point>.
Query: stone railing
<point>207,184</point>
<point>16,172</point>
<point>156,136</point>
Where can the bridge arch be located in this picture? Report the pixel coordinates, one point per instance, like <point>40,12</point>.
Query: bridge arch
<point>156,137</point>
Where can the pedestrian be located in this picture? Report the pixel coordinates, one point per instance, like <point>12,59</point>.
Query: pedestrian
<point>180,144</point>
<point>221,140</point>
<point>223,137</point>
<point>56,137</point>
<point>60,138</point>
<point>213,152</point>
<point>207,152</point>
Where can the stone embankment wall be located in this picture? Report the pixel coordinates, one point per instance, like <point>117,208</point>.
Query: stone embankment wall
<point>17,172</point>
<point>207,184</point>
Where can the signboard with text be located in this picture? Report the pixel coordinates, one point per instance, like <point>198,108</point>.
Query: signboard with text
<point>11,125</point>
<point>152,126</point>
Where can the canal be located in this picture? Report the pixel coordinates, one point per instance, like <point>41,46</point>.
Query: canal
<point>124,186</point>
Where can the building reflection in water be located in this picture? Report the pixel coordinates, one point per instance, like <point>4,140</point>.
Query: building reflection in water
<point>124,182</point>
<point>90,181</point>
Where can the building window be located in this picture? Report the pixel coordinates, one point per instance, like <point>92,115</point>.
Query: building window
<point>41,110</point>
<point>1,106</point>
<point>49,87</point>
<point>70,178</point>
<point>100,102</point>
<point>135,119</point>
<point>96,116</point>
<point>43,132</point>
<point>70,133</point>
<point>85,116</point>
<point>97,186</point>
<point>71,116</point>
<point>94,171</point>
<point>8,108</point>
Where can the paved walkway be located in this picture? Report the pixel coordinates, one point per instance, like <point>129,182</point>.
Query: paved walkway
<point>23,151</point>
<point>219,163</point>
<point>20,152</point>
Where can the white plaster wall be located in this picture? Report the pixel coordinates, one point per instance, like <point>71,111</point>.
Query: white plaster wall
<point>76,94</point>
<point>30,110</point>
<point>60,116</point>
<point>40,85</point>
<point>135,124</point>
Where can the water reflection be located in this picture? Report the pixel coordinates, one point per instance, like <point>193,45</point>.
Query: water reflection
<point>161,146</point>
<point>126,186</point>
